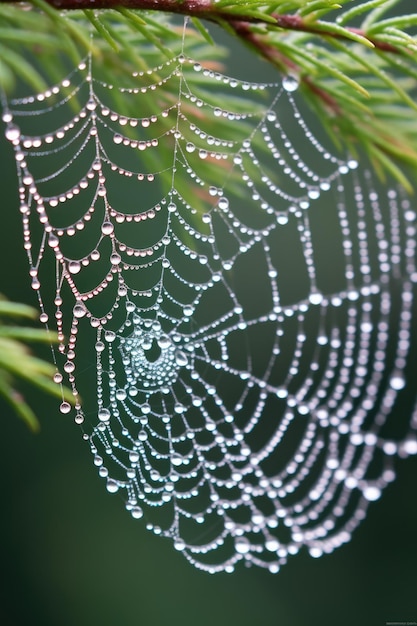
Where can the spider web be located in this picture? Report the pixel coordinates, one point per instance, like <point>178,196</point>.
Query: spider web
<point>248,295</point>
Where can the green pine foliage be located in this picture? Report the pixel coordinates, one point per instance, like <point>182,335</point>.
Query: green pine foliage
<point>17,364</point>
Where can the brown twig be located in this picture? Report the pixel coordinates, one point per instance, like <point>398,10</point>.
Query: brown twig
<point>208,10</point>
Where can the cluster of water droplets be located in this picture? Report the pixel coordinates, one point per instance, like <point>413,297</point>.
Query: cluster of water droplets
<point>250,296</point>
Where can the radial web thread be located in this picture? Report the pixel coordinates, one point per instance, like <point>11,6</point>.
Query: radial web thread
<point>248,297</point>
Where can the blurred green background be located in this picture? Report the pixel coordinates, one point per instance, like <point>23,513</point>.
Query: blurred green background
<point>70,555</point>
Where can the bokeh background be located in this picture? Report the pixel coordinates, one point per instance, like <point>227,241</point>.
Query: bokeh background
<point>70,555</point>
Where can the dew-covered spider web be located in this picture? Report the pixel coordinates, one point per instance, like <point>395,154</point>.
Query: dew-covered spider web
<point>243,295</point>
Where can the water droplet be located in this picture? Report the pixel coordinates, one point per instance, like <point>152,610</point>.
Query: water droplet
<point>115,259</point>
<point>79,310</point>
<point>242,545</point>
<point>112,486</point>
<point>74,267</point>
<point>313,194</point>
<point>53,240</point>
<point>181,358</point>
<point>316,298</point>
<point>315,552</point>
<point>410,446</point>
<point>397,382</point>
<point>109,336</point>
<point>372,493</point>
<point>188,310</point>
<point>164,342</point>
<point>65,407</point>
<point>12,133</point>
<point>136,512</point>
<point>91,104</point>
<point>121,394</point>
<point>104,415</point>
<point>272,545</point>
<point>179,544</point>
<point>107,228</point>
<point>134,456</point>
<point>290,83</point>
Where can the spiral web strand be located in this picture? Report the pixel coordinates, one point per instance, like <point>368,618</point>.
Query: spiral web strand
<point>250,308</point>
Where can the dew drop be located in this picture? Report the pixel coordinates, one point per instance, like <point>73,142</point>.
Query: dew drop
<point>372,493</point>
<point>397,382</point>
<point>136,512</point>
<point>121,394</point>
<point>74,267</point>
<point>290,83</point>
<point>107,228</point>
<point>316,298</point>
<point>134,456</point>
<point>65,407</point>
<point>12,133</point>
<point>109,336</point>
<point>314,194</point>
<point>104,415</point>
<point>79,310</point>
<point>176,460</point>
<point>58,377</point>
<point>115,259</point>
<point>410,446</point>
<point>181,358</point>
<point>69,367</point>
<point>112,486</point>
<point>242,545</point>
<point>53,240</point>
<point>272,545</point>
<point>164,342</point>
<point>223,204</point>
<point>179,544</point>
<point>91,104</point>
